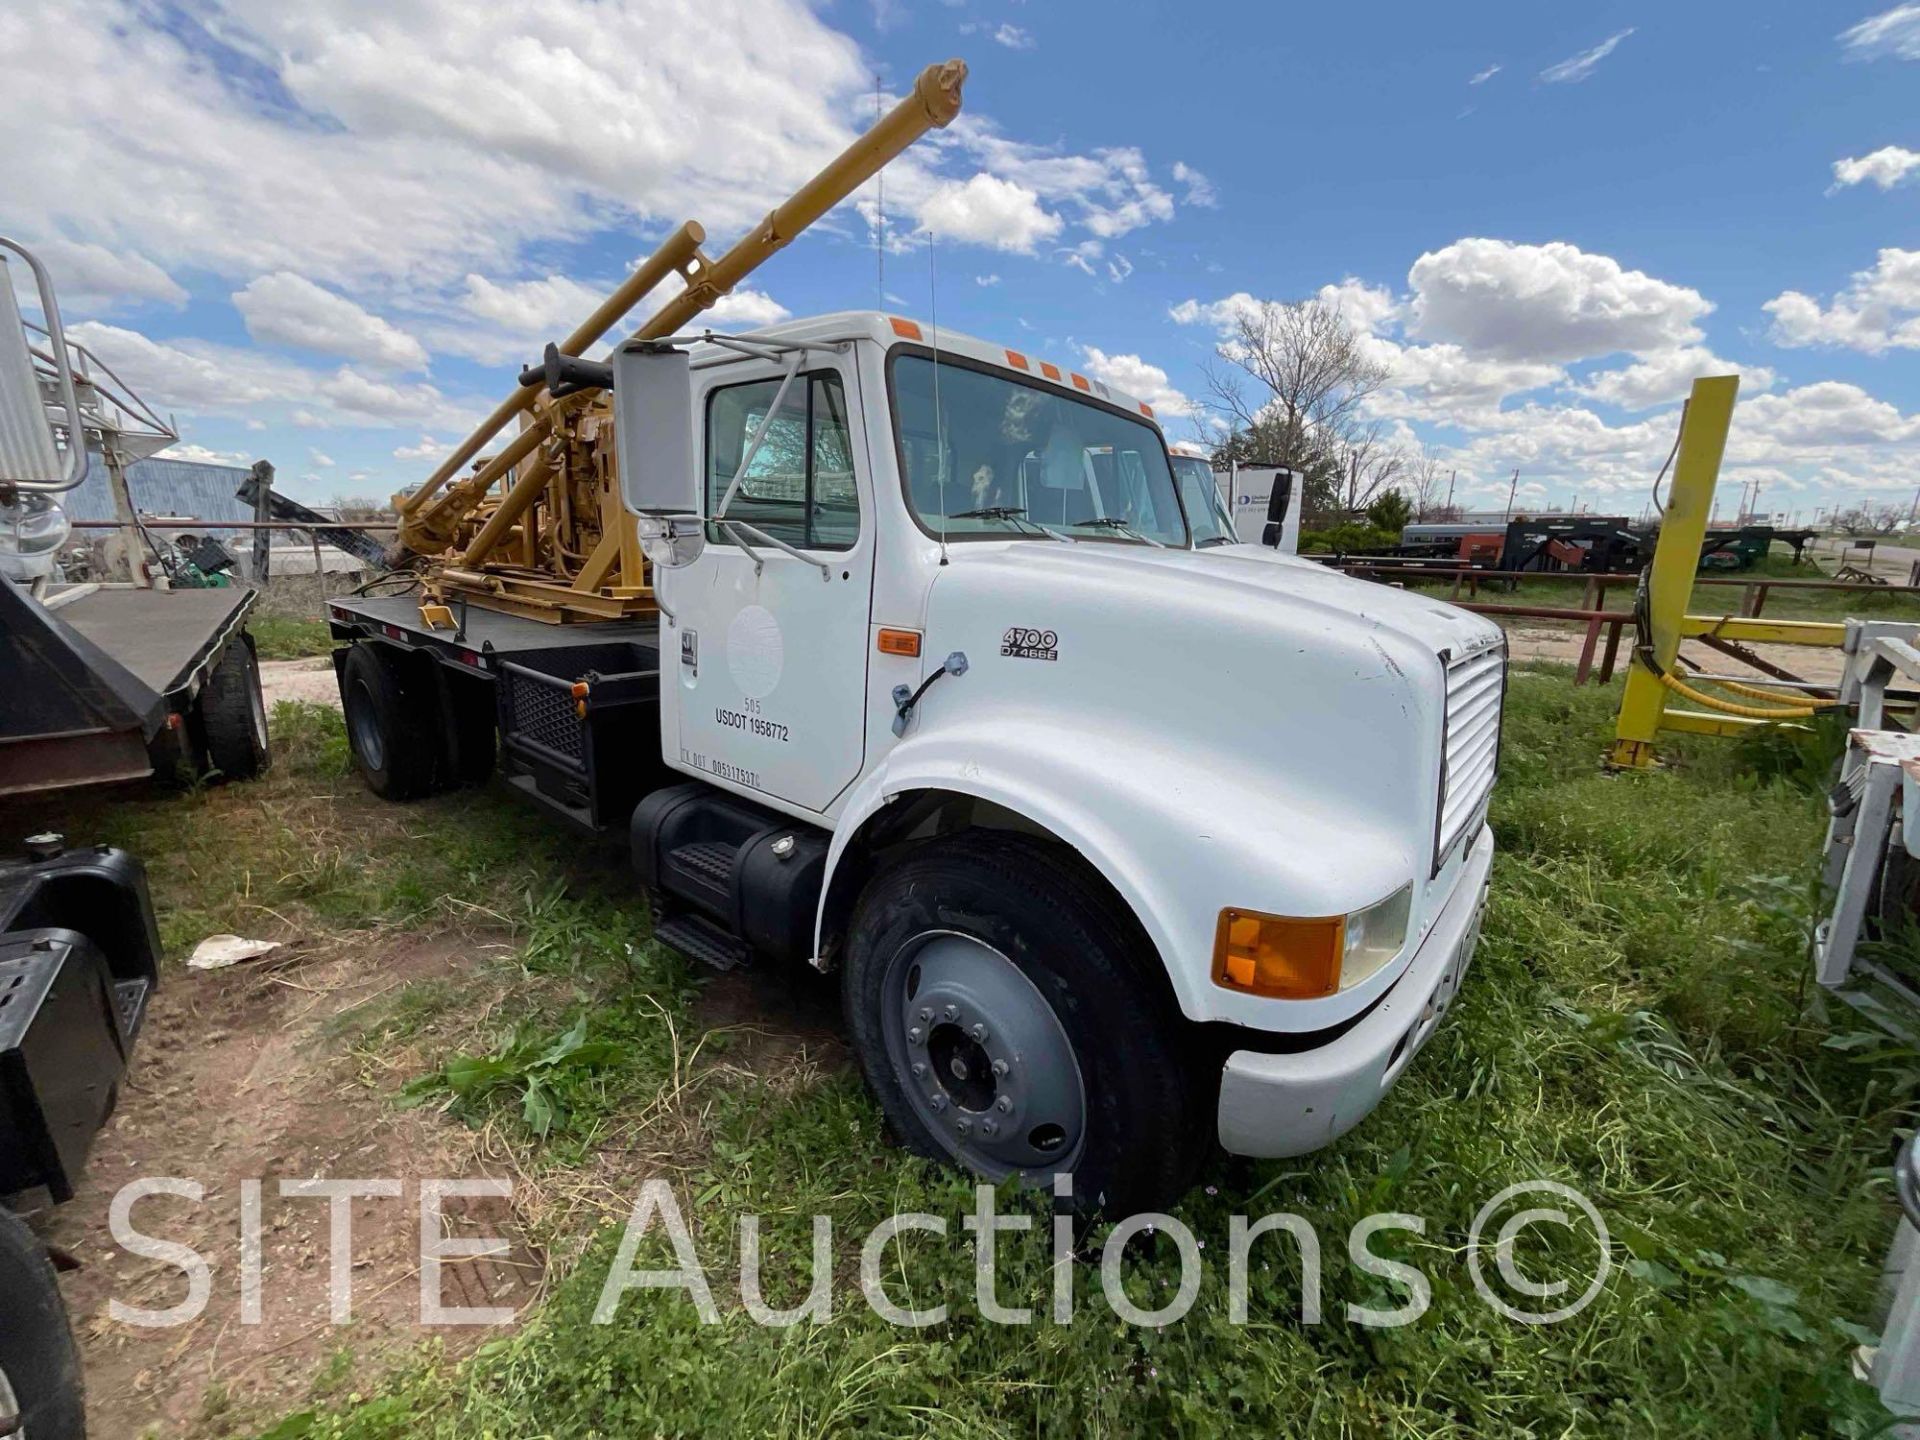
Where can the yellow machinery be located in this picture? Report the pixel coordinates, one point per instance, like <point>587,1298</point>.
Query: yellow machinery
<point>556,544</point>
<point>1666,587</point>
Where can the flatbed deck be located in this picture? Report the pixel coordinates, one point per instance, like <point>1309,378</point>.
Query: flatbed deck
<point>481,630</point>
<point>161,636</point>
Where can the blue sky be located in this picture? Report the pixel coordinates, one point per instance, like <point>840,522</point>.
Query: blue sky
<point>326,234</point>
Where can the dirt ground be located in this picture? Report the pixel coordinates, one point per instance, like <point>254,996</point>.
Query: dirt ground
<point>310,680</point>
<point>244,1074</point>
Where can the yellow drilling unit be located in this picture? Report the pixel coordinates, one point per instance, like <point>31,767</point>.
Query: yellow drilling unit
<point>537,528</point>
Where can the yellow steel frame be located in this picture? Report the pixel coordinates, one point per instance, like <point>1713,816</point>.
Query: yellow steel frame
<point>1696,469</point>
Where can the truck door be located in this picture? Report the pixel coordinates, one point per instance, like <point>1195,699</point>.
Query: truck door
<point>771,674</point>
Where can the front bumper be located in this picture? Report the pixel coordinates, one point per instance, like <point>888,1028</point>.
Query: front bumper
<point>1276,1105</point>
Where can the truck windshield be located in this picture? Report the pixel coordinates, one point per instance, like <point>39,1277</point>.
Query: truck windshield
<point>1200,496</point>
<point>985,454</point>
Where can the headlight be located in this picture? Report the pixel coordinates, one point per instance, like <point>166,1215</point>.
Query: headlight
<point>1375,935</point>
<point>1284,957</point>
<point>32,529</point>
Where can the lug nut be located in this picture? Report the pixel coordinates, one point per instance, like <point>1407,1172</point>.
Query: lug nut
<point>938,1102</point>
<point>989,1128</point>
<point>914,1035</point>
<point>926,1015</point>
<point>919,1071</point>
<point>999,1067</point>
<point>963,1127</point>
<point>1003,1104</point>
<point>979,1033</point>
<point>951,1013</point>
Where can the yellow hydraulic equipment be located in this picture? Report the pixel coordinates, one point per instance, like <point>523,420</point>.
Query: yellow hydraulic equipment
<point>556,543</point>
<point>1666,587</point>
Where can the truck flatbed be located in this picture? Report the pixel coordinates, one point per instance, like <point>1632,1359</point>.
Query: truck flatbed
<point>98,675</point>
<point>160,636</point>
<point>576,707</point>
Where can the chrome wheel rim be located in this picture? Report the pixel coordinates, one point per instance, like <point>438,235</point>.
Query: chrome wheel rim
<point>984,1061</point>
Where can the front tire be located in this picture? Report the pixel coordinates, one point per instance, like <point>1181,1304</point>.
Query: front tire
<point>39,1364</point>
<point>1008,1016</point>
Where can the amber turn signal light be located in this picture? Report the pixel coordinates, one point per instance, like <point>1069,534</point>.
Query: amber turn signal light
<point>899,642</point>
<point>1278,957</point>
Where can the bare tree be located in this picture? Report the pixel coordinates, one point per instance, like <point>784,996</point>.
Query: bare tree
<point>1424,482</point>
<point>1370,464</point>
<point>1881,519</point>
<point>1308,370</point>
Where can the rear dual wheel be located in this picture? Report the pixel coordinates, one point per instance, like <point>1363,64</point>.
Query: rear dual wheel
<point>406,743</point>
<point>40,1383</point>
<point>1008,1018</point>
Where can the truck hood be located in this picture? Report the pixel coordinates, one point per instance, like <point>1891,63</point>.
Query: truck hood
<point>1218,728</point>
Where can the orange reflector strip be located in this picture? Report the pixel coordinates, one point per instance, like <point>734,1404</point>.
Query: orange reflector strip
<point>1146,409</point>
<point>1017,360</point>
<point>905,329</point>
<point>899,642</point>
<point>1080,382</point>
<point>1278,957</point>
<point>1052,372</point>
<point>579,689</point>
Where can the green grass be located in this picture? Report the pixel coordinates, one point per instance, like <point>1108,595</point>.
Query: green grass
<point>1637,1025</point>
<point>289,637</point>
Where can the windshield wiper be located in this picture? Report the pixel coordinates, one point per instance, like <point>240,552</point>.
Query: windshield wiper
<point>1124,526</point>
<point>1213,540</point>
<point>1012,514</point>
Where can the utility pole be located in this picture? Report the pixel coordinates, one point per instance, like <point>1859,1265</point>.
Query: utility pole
<point>1753,509</point>
<point>1913,510</point>
<point>1510,493</point>
<point>1450,475</point>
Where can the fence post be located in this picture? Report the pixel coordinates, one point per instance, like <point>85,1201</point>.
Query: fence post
<point>262,539</point>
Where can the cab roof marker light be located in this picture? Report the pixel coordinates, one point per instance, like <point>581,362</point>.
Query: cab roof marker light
<point>1017,360</point>
<point>1050,370</point>
<point>1080,382</point>
<point>1146,409</point>
<point>905,329</point>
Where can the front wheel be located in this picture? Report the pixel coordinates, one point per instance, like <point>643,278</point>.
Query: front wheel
<point>1007,1015</point>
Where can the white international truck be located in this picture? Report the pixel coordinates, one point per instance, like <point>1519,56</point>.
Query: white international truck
<point>1118,847</point>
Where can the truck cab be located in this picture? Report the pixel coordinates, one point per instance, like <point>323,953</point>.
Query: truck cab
<point>1118,847</point>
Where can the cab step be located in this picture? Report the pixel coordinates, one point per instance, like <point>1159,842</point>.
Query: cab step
<point>745,871</point>
<point>699,939</point>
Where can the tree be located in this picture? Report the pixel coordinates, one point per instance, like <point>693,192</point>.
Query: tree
<point>1425,483</point>
<point>1881,519</point>
<point>1391,510</point>
<point>1292,373</point>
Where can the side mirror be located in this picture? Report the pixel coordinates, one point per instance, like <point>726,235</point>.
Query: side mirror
<point>653,443</point>
<point>1278,499</point>
<point>653,435</point>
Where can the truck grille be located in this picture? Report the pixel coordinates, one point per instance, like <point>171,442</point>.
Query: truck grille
<point>1476,688</point>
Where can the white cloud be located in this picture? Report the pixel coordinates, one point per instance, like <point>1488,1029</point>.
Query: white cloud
<point>289,309</point>
<point>1550,303</point>
<point>1892,33</point>
<point>1580,66</point>
<point>1665,376</point>
<point>1885,167</point>
<point>987,210</point>
<point>93,279</point>
<point>1134,376</point>
<point>324,461</point>
<point>1485,75</point>
<point>520,316</point>
<point>201,455</point>
<point>428,449</point>
<point>1200,189</point>
<point>1013,37</point>
<point>1119,268</point>
<point>985,281</point>
<point>198,377</point>
<point>1879,310</point>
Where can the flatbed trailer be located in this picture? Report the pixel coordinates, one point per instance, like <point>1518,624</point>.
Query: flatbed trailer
<point>107,684</point>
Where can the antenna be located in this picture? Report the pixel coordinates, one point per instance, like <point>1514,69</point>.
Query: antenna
<point>939,438</point>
